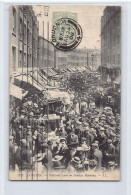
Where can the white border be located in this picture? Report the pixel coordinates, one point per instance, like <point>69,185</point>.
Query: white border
<point>61,188</point>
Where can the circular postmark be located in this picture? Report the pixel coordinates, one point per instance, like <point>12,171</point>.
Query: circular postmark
<point>66,34</point>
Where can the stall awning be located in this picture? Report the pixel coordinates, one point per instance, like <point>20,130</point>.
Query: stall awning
<point>63,96</point>
<point>52,71</point>
<point>69,69</point>
<point>17,92</point>
<point>49,71</point>
<point>29,80</point>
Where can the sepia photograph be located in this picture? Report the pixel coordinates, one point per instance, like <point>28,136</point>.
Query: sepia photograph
<point>65,92</point>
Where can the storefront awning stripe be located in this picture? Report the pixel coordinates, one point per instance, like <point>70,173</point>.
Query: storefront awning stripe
<point>17,91</point>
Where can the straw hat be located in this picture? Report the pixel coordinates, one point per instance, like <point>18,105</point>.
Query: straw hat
<point>57,158</point>
<point>76,160</point>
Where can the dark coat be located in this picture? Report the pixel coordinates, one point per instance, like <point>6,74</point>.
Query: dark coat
<point>72,138</point>
<point>12,156</point>
<point>55,151</point>
<point>110,153</point>
<point>98,157</point>
<point>65,152</point>
<point>102,141</point>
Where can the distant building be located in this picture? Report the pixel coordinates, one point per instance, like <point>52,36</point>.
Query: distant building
<point>23,39</point>
<point>78,58</point>
<point>45,53</point>
<point>111,40</point>
<point>60,59</point>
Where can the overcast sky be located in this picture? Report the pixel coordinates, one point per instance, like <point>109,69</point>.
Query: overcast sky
<point>88,16</point>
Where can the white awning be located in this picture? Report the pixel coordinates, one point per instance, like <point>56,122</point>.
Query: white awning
<point>17,92</point>
<point>29,81</point>
<point>64,96</point>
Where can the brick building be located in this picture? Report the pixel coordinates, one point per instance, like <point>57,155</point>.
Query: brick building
<point>23,40</point>
<point>45,53</point>
<point>111,40</point>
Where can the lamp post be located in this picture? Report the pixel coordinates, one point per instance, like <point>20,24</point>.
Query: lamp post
<point>92,56</point>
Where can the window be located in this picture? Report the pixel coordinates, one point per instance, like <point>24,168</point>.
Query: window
<point>24,33</point>
<point>14,20</point>
<point>28,36</point>
<point>20,59</point>
<point>14,58</point>
<point>24,59</point>
<point>28,59</point>
<point>21,35</point>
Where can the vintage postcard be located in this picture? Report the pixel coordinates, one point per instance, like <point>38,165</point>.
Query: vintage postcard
<point>65,90</point>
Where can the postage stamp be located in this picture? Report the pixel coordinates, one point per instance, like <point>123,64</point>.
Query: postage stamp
<point>66,34</point>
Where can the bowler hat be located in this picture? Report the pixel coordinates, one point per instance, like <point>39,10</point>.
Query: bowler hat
<point>62,139</point>
<point>50,142</point>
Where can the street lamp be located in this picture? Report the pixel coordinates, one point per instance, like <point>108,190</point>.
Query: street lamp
<point>92,56</point>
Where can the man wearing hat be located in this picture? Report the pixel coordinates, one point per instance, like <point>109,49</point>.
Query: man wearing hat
<point>11,153</point>
<point>39,139</point>
<point>78,129</point>
<point>23,119</point>
<point>109,153</point>
<point>73,149</point>
<point>89,137</point>
<point>47,160</point>
<point>31,120</point>
<point>23,156</point>
<point>86,147</point>
<point>116,143</point>
<point>72,138</point>
<point>61,132</point>
<point>83,107</point>
<point>36,119</point>
<point>92,165</point>
<point>56,148</point>
<point>97,155</point>
<point>64,151</point>
<point>102,139</point>
<point>29,137</point>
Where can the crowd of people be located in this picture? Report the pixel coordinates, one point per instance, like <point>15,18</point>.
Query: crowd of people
<point>86,137</point>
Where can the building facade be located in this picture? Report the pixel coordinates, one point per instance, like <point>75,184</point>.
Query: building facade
<point>23,40</point>
<point>78,58</point>
<point>111,40</point>
<point>45,53</point>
